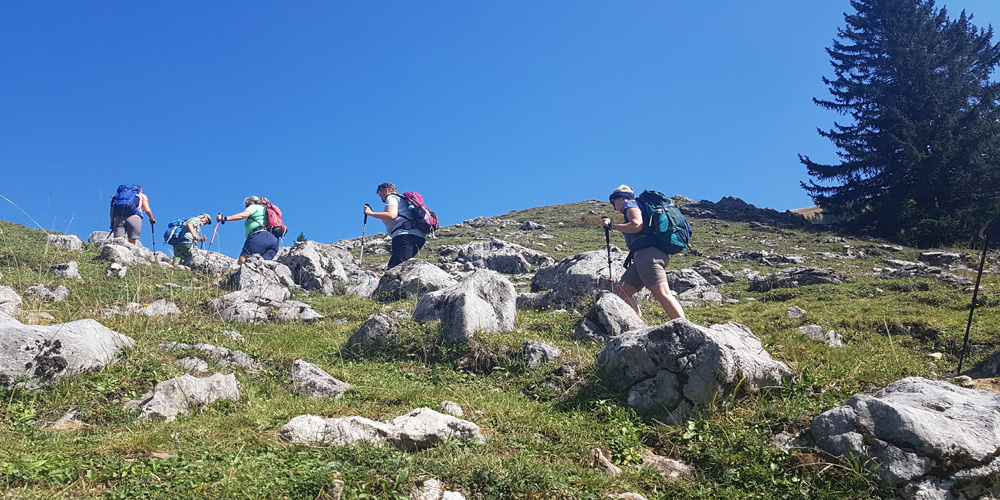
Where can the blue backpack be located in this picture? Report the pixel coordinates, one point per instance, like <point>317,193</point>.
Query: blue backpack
<point>663,225</point>
<point>176,232</point>
<point>126,200</point>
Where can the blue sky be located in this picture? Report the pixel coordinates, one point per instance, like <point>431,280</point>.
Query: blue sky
<point>484,107</point>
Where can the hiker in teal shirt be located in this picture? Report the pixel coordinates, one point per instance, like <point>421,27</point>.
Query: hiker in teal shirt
<point>182,251</point>
<point>259,240</point>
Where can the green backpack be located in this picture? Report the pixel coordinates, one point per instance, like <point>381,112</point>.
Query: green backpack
<point>663,225</point>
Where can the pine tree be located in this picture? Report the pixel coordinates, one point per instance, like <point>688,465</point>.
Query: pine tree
<point>302,237</point>
<point>919,153</point>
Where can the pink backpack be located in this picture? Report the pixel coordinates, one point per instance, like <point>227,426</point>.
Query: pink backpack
<point>426,220</point>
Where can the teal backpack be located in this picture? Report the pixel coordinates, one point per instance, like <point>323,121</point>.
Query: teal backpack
<point>664,225</point>
<point>176,232</point>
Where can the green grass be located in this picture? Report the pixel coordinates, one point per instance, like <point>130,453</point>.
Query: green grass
<point>538,433</point>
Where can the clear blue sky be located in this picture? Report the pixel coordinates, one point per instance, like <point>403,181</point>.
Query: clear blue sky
<point>484,107</point>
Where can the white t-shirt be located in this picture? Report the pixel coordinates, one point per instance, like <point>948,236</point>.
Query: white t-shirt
<point>403,215</point>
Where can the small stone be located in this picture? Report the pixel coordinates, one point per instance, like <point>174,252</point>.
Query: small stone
<point>795,312</point>
<point>936,356</point>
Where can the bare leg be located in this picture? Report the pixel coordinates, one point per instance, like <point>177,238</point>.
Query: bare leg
<point>661,292</point>
<point>626,291</point>
<point>241,260</point>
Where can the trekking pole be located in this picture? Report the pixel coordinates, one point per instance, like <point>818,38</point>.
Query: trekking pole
<point>607,240</point>
<point>975,293</point>
<point>214,232</point>
<point>152,229</point>
<point>364,228</point>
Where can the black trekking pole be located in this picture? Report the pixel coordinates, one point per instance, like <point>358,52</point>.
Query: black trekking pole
<point>975,294</point>
<point>364,228</point>
<point>607,240</point>
<point>152,229</point>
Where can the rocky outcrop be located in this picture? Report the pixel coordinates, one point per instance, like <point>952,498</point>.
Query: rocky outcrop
<point>684,368</point>
<point>379,328</point>
<point>210,262</point>
<point>501,256</point>
<point>66,270</point>
<point>319,267</point>
<point>536,353</point>
<point>794,277</point>
<point>610,316</point>
<point>310,380</point>
<point>179,396</point>
<point>417,430</point>
<point>39,354</point>
<point>576,278</point>
<point>929,439</point>
<point>225,357</point>
<point>907,269</point>
<point>44,293</point>
<point>10,301</point>
<point>411,279</point>
<point>257,272</point>
<point>66,241</point>
<point>482,302</point>
<point>264,303</point>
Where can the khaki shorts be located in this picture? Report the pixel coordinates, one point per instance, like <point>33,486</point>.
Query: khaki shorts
<point>129,227</point>
<point>647,268</point>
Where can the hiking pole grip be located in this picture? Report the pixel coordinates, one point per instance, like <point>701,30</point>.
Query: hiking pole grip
<point>972,308</point>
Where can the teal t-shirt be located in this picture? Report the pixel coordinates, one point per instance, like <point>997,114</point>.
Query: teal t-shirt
<point>258,218</point>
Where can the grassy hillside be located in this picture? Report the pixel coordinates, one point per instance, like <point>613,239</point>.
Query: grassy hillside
<point>538,434</point>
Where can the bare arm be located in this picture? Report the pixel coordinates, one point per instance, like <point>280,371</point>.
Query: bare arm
<point>391,212</point>
<point>634,224</point>
<point>194,232</point>
<point>144,206</point>
<point>242,215</point>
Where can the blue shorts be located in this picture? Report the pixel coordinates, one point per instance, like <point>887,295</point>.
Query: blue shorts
<point>261,243</point>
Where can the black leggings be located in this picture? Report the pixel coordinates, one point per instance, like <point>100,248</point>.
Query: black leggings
<point>405,247</point>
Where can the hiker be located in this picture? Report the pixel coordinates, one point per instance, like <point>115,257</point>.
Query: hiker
<point>192,231</point>
<point>127,207</point>
<point>647,268</point>
<point>259,240</point>
<point>399,219</point>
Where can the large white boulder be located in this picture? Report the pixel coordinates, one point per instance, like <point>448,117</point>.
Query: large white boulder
<point>42,353</point>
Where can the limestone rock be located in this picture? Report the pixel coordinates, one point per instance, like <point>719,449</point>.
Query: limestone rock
<point>424,427</point>
<point>67,241</point>
<point>210,262</point>
<point>610,316</point>
<point>928,438</point>
<point>66,270</point>
<point>535,353</point>
<point>378,329</point>
<point>342,431</point>
<point>483,302</point>
<point>225,357</point>
<point>179,396</point>
<point>10,301</point>
<point>42,353</point>
<point>115,269</point>
<point>501,256</point>
<point>44,293</point>
<point>315,266</point>
<point>262,303</point>
<point>257,272</point>
<point>794,277</point>
<point>310,380</point>
<point>578,277</point>
<point>411,279</point>
<point>451,408</point>
<point>685,368</point>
